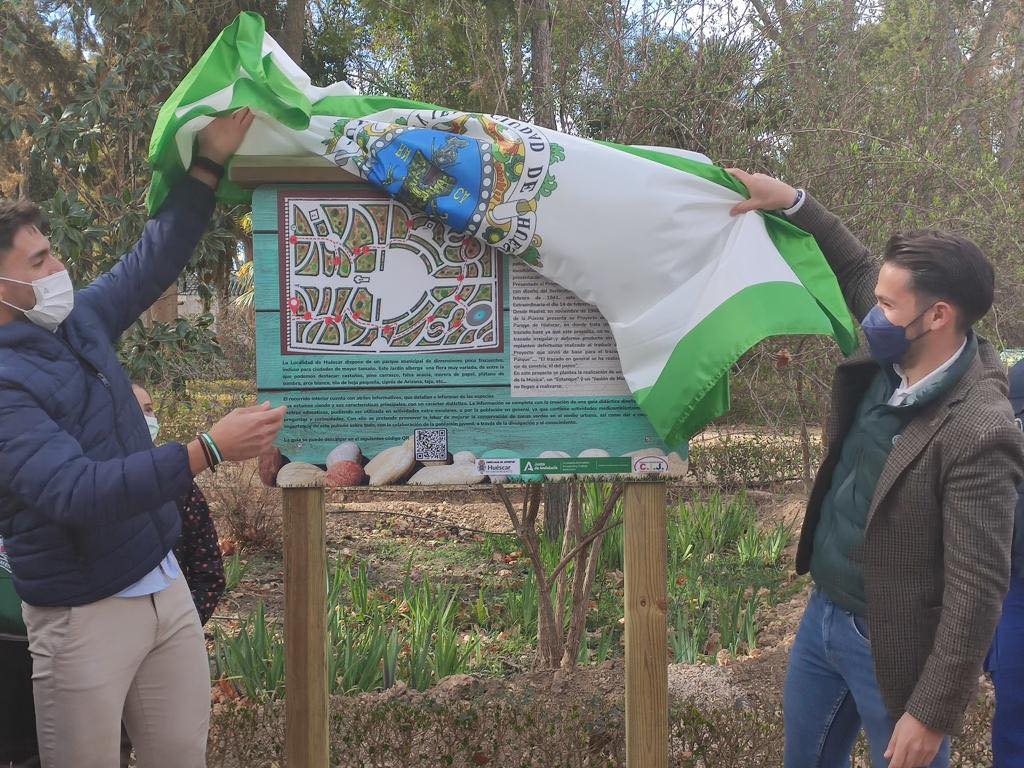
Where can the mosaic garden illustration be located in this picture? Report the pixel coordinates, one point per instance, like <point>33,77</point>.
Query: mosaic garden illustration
<point>363,274</point>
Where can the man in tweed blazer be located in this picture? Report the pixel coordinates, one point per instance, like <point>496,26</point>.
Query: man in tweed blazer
<point>908,527</point>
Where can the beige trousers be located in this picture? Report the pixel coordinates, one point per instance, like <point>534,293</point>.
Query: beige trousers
<point>143,658</point>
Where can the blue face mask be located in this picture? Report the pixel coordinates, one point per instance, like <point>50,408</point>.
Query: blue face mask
<point>888,341</point>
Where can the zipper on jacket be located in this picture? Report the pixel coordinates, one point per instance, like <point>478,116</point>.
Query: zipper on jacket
<point>89,366</point>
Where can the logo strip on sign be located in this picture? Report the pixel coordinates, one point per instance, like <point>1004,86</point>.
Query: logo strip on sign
<point>579,466</point>
<point>647,465</point>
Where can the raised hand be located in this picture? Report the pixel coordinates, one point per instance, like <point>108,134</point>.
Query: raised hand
<point>219,140</point>
<point>248,432</point>
<point>766,193</point>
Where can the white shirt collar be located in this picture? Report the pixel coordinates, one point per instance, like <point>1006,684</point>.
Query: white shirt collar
<point>904,391</point>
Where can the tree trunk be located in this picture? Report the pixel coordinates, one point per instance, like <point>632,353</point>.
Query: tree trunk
<point>540,64</point>
<point>582,585</point>
<point>294,29</point>
<point>573,532</point>
<point>1010,144</point>
<point>978,67</point>
<point>556,506</point>
<point>554,648</point>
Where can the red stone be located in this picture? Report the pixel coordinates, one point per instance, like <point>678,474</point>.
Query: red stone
<point>344,474</point>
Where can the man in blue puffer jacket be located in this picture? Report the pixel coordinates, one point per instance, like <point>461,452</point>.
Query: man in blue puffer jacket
<point>87,508</point>
<point>1005,660</point>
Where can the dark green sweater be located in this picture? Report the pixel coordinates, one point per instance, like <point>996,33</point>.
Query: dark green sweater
<point>835,559</point>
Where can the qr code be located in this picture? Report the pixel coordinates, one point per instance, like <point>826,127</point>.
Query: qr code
<point>431,444</point>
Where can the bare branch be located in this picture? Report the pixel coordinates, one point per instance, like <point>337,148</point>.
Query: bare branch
<point>598,530</point>
<point>500,491</point>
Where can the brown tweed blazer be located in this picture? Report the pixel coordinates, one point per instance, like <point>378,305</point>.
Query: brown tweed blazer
<point>936,551</point>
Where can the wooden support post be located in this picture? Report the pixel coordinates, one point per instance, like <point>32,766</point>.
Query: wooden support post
<point>646,552</point>
<point>306,741</point>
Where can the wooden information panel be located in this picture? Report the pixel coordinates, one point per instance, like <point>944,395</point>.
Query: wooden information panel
<point>380,327</point>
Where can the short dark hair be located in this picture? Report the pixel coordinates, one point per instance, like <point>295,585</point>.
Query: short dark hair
<point>945,266</point>
<point>15,214</point>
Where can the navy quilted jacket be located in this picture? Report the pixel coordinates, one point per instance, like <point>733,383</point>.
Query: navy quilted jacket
<point>86,502</point>
<point>1016,376</point>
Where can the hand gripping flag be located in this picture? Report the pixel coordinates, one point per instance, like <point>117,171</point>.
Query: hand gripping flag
<point>643,233</point>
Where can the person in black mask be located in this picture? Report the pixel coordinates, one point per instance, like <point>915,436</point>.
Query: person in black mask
<point>908,527</point>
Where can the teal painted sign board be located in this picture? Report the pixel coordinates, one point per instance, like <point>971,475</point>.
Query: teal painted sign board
<point>379,326</point>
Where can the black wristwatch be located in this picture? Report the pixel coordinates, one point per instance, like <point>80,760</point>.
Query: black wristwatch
<point>208,165</point>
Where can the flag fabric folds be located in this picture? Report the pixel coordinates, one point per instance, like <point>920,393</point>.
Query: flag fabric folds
<point>643,233</point>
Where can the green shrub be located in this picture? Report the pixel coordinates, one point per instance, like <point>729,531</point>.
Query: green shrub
<point>235,569</point>
<point>736,461</point>
<point>373,640</point>
<point>252,659</point>
<point>722,570</point>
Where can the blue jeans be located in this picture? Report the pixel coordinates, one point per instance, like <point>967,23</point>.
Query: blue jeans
<point>831,692</point>
<point>1006,664</point>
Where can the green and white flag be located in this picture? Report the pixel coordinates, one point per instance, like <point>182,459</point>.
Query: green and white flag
<point>642,233</point>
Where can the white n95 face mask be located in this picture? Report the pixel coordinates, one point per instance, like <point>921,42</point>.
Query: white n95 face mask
<point>55,298</point>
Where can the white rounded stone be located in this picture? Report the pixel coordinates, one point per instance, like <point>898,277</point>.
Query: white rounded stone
<point>344,452</point>
<point>299,474</point>
<point>451,474</point>
<point>392,465</point>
